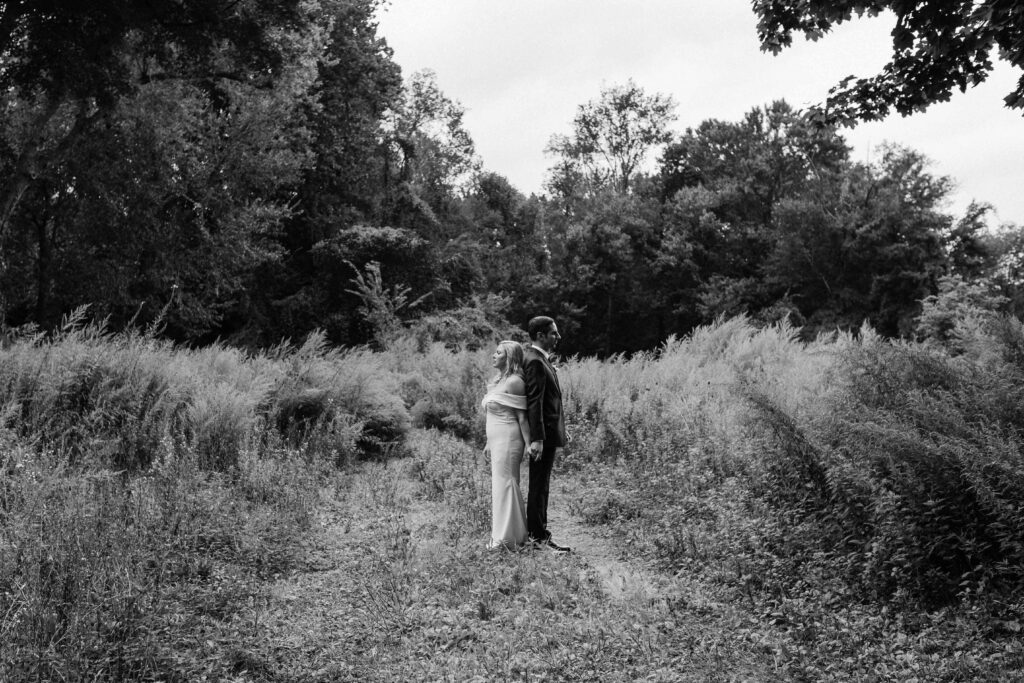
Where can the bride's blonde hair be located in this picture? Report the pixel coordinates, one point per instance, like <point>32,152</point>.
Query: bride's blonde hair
<point>513,360</point>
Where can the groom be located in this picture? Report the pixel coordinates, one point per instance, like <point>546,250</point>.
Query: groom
<point>547,425</point>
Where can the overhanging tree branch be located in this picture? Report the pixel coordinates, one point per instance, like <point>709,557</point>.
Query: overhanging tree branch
<point>938,47</point>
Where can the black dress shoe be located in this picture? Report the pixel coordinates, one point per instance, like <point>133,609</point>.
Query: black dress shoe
<point>557,548</point>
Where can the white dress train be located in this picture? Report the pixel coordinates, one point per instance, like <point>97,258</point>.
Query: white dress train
<point>505,440</point>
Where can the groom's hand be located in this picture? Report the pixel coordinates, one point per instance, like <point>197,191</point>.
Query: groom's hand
<point>536,448</point>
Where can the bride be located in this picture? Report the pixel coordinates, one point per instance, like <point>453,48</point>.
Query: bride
<point>508,433</point>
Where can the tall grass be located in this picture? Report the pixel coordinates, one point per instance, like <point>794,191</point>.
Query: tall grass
<point>811,479</point>
<point>895,461</point>
<point>911,473</point>
<point>146,490</point>
<point>442,387</point>
<point>457,474</point>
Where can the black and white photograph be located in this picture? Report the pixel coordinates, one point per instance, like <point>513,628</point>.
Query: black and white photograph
<point>480,340</point>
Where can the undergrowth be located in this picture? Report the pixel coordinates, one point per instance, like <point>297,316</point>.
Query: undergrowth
<point>149,492</point>
<point>851,503</point>
<point>823,484</point>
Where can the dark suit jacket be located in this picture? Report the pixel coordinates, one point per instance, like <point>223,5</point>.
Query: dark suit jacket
<point>543,400</point>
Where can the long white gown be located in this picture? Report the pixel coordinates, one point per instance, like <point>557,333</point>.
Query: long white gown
<point>505,440</point>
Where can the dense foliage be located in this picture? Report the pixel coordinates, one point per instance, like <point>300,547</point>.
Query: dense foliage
<point>841,509</point>
<point>255,171</point>
<point>936,47</point>
<point>860,494</point>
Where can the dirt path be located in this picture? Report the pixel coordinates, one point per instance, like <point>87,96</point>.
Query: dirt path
<point>390,591</point>
<point>397,585</point>
<point>622,578</point>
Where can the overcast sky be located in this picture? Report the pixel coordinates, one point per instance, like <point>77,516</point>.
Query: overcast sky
<point>521,68</point>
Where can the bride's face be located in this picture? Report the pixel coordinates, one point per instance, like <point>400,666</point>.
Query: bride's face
<point>499,358</point>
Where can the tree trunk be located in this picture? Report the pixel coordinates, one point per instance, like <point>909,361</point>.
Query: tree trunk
<point>32,161</point>
<point>12,195</point>
<point>45,259</point>
<point>609,327</point>
<point>25,167</point>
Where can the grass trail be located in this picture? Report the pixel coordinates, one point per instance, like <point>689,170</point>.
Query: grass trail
<point>397,588</point>
<point>623,576</point>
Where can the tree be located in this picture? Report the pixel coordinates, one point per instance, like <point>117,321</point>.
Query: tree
<point>357,83</point>
<point>611,138</point>
<point>773,152</point>
<point>974,252</point>
<point>168,178</point>
<point>606,271</point>
<point>70,61</point>
<point>937,46</point>
<point>722,183</point>
<point>76,48</point>
<point>170,200</point>
<point>1005,248</point>
<point>868,246</point>
<point>435,153</point>
<point>770,217</point>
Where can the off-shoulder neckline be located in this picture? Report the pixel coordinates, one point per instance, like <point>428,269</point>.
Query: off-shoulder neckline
<point>504,385</point>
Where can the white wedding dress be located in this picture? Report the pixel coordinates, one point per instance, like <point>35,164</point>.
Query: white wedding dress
<point>505,440</point>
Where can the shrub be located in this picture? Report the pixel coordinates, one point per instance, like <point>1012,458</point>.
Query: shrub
<point>147,489</point>
<point>891,466</point>
<point>948,316</point>
<point>474,326</point>
<point>83,391</point>
<point>443,388</point>
<point>912,471</point>
<point>324,395</point>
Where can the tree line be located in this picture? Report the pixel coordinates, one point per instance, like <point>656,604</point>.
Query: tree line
<point>255,171</point>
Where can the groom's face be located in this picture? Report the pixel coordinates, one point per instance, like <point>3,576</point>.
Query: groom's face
<point>549,340</point>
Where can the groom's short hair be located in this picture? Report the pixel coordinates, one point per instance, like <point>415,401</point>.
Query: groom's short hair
<point>537,325</point>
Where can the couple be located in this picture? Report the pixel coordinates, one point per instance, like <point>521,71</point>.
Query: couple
<point>524,420</point>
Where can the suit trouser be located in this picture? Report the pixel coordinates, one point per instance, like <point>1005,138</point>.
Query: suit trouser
<point>537,499</point>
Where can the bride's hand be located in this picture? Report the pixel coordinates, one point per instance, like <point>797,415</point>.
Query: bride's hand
<point>487,452</point>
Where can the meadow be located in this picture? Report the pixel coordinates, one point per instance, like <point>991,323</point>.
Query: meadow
<point>846,508</point>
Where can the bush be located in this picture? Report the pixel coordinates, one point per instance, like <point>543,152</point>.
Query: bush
<point>443,388</point>
<point>891,467</point>
<point>328,396</point>
<point>143,493</point>
<point>474,326</point>
<point>111,400</point>
<point>912,472</point>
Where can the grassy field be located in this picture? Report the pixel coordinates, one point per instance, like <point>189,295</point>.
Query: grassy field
<point>745,506</point>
